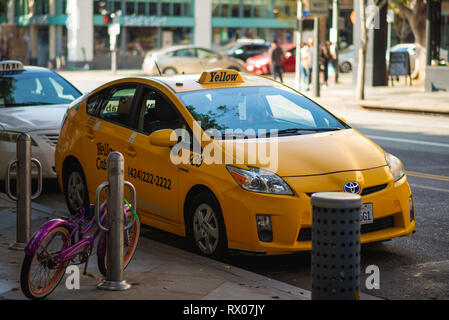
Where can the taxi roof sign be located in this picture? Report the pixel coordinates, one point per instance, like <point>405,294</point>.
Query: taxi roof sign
<point>11,65</point>
<point>220,76</point>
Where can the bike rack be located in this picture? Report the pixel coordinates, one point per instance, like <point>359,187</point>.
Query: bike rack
<point>23,189</point>
<point>115,220</point>
<point>335,246</point>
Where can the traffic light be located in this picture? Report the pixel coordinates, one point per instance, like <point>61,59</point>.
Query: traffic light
<point>107,19</point>
<point>103,10</point>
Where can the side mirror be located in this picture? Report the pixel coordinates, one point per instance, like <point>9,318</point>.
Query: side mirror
<point>163,138</point>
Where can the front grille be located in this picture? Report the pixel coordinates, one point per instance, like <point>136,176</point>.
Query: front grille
<point>373,189</point>
<point>365,191</point>
<point>305,234</point>
<point>50,138</point>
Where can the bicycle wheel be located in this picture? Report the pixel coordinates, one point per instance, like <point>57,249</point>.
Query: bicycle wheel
<point>131,236</point>
<point>40,273</point>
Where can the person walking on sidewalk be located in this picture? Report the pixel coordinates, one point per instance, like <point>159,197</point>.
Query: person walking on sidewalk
<point>276,60</point>
<point>305,66</point>
<point>311,62</point>
<point>324,62</point>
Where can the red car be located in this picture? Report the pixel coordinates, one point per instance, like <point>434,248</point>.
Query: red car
<point>261,64</point>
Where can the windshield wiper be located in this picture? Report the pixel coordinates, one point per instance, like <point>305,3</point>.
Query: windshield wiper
<point>298,130</point>
<point>238,135</point>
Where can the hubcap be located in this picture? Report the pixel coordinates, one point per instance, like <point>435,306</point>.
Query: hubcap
<point>75,190</point>
<point>205,229</point>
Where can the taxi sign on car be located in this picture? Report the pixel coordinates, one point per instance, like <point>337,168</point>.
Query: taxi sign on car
<point>229,160</point>
<point>11,65</point>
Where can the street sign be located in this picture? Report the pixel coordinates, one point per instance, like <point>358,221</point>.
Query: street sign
<point>390,16</point>
<point>114,29</point>
<point>319,8</point>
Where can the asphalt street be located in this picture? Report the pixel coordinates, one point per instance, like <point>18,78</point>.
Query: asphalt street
<point>413,267</point>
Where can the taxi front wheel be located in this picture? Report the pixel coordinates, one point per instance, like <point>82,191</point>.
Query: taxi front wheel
<point>206,228</point>
<point>75,188</point>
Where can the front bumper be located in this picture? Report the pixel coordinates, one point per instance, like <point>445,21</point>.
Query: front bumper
<point>291,216</point>
<point>44,152</point>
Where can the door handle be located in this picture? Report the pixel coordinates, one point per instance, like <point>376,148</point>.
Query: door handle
<point>131,151</point>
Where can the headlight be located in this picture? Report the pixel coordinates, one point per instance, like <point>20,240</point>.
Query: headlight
<point>11,136</point>
<point>396,166</point>
<point>259,180</point>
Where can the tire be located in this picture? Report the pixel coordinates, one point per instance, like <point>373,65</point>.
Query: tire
<point>169,71</point>
<point>75,188</point>
<point>129,248</point>
<point>31,260</point>
<point>345,67</point>
<point>205,226</point>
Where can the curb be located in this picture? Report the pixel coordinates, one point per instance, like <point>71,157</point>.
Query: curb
<point>404,110</point>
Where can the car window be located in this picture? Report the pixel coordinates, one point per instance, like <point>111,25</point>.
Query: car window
<point>190,52</point>
<point>258,108</point>
<point>118,106</point>
<point>206,54</point>
<point>93,102</point>
<point>35,88</point>
<point>157,113</point>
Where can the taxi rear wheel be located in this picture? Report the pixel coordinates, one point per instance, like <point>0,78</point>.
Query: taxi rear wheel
<point>206,229</point>
<point>75,188</point>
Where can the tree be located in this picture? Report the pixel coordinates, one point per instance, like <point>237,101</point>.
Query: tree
<point>365,22</point>
<point>415,13</point>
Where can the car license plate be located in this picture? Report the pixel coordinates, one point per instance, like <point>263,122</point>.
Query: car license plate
<point>366,213</point>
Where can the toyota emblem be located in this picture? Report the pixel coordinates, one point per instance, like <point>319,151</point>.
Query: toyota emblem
<point>352,187</point>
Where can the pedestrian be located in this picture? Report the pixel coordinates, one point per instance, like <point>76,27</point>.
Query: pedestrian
<point>324,63</point>
<point>305,66</point>
<point>332,62</point>
<point>311,60</point>
<point>276,55</point>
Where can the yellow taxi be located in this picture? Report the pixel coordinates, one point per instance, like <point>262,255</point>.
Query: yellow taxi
<point>229,160</point>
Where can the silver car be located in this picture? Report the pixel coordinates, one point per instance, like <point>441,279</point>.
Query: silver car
<point>187,59</point>
<point>32,100</point>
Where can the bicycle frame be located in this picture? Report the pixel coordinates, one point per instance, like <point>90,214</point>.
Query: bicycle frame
<point>71,252</point>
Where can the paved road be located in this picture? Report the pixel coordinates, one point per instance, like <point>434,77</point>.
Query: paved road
<point>414,267</point>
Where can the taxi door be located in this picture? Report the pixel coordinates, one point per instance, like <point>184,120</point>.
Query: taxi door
<point>149,167</point>
<point>108,134</point>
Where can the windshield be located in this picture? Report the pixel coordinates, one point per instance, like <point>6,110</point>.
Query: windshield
<point>35,88</point>
<point>258,109</point>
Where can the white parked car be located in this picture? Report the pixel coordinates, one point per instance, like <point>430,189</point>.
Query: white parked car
<point>32,100</point>
<point>187,59</point>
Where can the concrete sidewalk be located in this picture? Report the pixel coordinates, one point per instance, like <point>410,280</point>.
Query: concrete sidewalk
<point>398,98</point>
<point>157,272</point>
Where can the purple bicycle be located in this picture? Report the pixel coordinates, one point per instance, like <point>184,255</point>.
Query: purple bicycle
<point>64,241</point>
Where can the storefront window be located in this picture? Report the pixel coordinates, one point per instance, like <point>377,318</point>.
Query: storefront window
<point>153,8</point>
<point>41,7</point>
<point>130,8</point>
<point>165,9</point>
<point>235,8</point>
<point>141,8</point>
<point>247,8</point>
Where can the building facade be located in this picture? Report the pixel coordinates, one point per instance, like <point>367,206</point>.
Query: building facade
<point>74,33</point>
